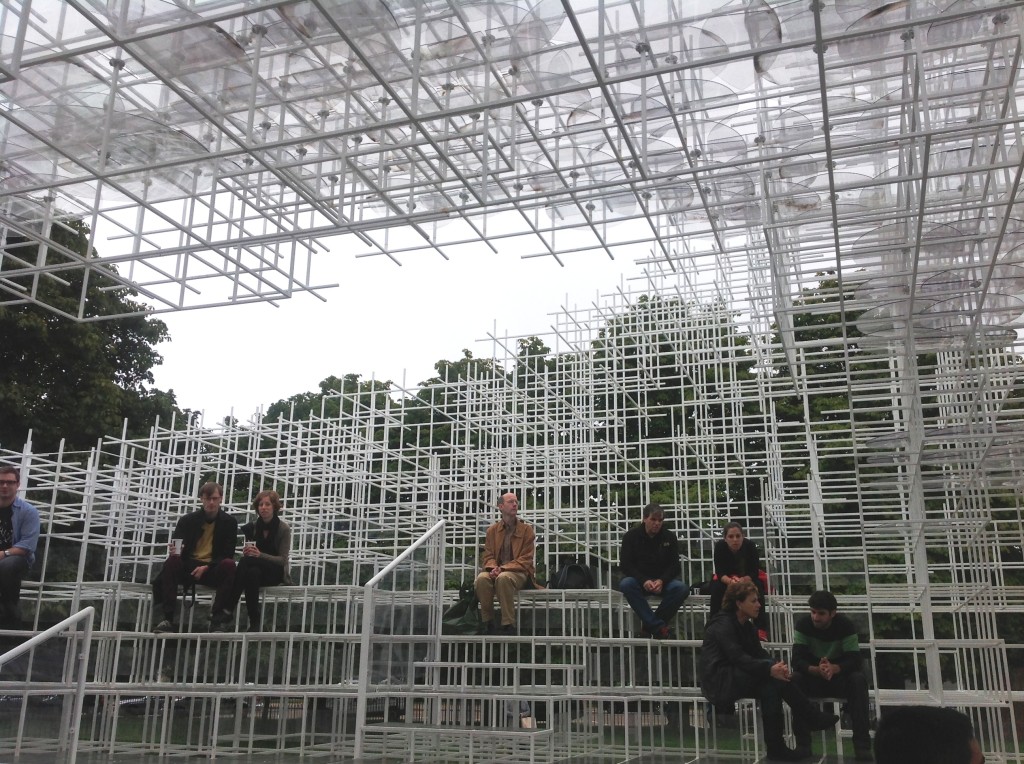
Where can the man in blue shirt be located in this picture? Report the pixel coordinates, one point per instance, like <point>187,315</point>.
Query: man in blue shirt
<point>19,535</point>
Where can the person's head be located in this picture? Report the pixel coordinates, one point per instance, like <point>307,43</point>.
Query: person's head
<point>733,535</point>
<point>654,518</point>
<point>211,494</point>
<point>823,608</point>
<point>267,505</point>
<point>10,479</point>
<point>742,598</point>
<point>508,505</point>
<point>926,735</point>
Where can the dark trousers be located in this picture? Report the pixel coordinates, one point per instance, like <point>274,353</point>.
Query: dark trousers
<point>12,569</point>
<point>852,687</point>
<point>771,693</point>
<point>250,574</point>
<point>177,571</point>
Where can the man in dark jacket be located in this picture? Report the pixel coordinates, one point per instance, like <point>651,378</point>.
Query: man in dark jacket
<point>827,664</point>
<point>202,549</point>
<point>734,665</point>
<point>649,559</point>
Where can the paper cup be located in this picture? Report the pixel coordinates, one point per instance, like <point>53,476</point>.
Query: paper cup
<point>175,547</point>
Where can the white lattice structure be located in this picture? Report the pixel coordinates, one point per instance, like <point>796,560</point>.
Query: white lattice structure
<point>644,397</point>
<point>824,196</point>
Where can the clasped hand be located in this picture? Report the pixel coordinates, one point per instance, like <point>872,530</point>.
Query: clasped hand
<point>781,671</point>
<point>827,669</point>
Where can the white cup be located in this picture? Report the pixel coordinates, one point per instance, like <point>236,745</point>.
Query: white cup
<point>175,547</point>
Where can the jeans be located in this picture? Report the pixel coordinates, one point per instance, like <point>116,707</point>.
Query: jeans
<point>12,570</point>
<point>673,596</point>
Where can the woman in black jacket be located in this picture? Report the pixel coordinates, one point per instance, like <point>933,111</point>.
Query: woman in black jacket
<point>736,559</point>
<point>734,665</point>
<point>268,541</point>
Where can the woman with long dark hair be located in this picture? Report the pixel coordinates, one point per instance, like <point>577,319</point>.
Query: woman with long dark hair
<point>736,559</point>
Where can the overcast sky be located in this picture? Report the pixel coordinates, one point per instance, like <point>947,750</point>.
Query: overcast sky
<point>388,321</point>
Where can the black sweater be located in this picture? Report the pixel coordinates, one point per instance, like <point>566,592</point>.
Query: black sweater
<point>645,558</point>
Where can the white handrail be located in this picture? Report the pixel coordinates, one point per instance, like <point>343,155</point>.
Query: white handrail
<point>73,723</point>
<point>395,562</point>
<point>367,629</point>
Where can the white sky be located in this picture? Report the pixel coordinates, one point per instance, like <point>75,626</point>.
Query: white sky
<point>388,321</point>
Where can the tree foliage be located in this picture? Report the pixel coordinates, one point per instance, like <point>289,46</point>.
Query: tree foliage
<point>76,380</point>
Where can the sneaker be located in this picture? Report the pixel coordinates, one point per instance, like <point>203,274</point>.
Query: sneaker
<point>663,632</point>
<point>165,626</point>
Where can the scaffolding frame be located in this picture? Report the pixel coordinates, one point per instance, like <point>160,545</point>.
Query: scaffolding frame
<point>823,343</point>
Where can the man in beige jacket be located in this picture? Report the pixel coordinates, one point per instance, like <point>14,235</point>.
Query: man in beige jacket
<point>508,564</point>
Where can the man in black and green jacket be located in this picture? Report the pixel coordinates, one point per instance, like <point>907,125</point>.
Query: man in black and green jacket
<point>827,664</point>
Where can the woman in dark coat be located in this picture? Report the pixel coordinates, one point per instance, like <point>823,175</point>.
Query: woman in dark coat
<point>736,559</point>
<point>734,665</point>
<point>268,540</point>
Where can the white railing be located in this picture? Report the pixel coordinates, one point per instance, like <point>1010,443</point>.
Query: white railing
<point>397,654</point>
<point>71,714</point>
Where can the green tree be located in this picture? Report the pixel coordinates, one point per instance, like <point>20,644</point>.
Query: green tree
<point>76,380</point>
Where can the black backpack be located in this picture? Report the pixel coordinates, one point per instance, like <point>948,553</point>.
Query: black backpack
<point>573,575</point>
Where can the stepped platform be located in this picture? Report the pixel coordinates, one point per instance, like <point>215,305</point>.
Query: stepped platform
<point>352,676</point>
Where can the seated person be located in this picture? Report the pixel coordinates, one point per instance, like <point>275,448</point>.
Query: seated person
<point>508,564</point>
<point>926,735</point>
<point>649,559</point>
<point>207,557</point>
<point>734,665</point>
<point>827,664</point>
<point>736,559</point>
<point>268,540</point>
<point>19,535</point>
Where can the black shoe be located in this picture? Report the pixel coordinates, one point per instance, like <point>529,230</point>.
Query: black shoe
<point>821,721</point>
<point>862,752</point>
<point>220,621</point>
<point>803,750</point>
<point>782,753</point>
<point>165,626</point>
<point>508,630</point>
<point>253,626</point>
<point>486,627</point>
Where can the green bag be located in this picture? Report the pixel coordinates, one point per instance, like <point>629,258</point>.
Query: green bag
<point>463,617</point>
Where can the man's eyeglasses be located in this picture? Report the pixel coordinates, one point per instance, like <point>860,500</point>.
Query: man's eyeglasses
<point>8,482</point>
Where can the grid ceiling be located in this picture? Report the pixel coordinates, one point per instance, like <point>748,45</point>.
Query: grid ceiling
<point>220,150</point>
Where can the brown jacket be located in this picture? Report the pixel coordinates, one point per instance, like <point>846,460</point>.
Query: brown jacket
<point>524,542</point>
